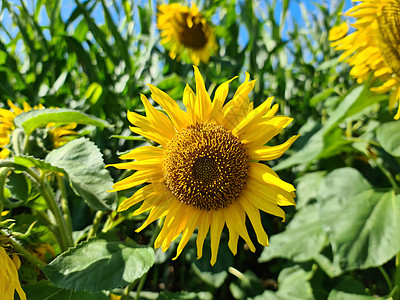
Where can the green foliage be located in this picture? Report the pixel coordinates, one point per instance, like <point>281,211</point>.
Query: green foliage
<point>83,165</point>
<point>98,265</point>
<point>34,119</point>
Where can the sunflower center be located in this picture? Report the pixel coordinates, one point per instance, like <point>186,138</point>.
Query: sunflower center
<point>194,36</point>
<point>205,166</point>
<point>389,26</point>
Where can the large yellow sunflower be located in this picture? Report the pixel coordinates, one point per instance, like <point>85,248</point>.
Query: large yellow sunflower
<point>206,173</point>
<point>185,30</point>
<point>374,45</point>
<point>59,134</point>
<point>9,281</point>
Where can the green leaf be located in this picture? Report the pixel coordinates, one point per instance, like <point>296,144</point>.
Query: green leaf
<point>83,165</point>
<point>360,222</point>
<point>388,135</point>
<point>33,119</point>
<point>98,265</point>
<point>43,290</point>
<point>301,241</point>
<point>29,162</point>
<point>307,188</point>
<point>321,96</point>
<point>293,284</point>
<point>18,186</point>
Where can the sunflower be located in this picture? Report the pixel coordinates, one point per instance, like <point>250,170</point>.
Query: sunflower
<point>205,172</point>
<point>9,282</point>
<point>60,135</point>
<point>372,48</point>
<point>185,30</point>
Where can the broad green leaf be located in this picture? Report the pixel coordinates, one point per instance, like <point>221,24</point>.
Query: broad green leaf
<point>360,222</point>
<point>388,135</point>
<point>99,265</point>
<point>33,119</point>
<point>363,230</point>
<point>83,165</point>
<point>44,290</point>
<point>340,184</point>
<point>301,241</point>
<point>293,284</point>
<point>18,186</point>
<point>307,188</point>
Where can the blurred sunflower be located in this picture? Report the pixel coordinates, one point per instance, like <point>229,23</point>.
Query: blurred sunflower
<point>374,45</point>
<point>185,30</point>
<point>9,282</point>
<point>206,173</point>
<point>59,135</point>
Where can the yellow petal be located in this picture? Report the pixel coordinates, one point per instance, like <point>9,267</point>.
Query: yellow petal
<point>270,153</point>
<point>145,152</point>
<point>137,197</point>
<point>217,224</point>
<point>260,200</point>
<point>177,116</point>
<point>253,117</point>
<point>189,99</point>
<point>202,106</point>
<point>265,174</point>
<point>202,232</point>
<point>254,215</point>
<point>158,119</point>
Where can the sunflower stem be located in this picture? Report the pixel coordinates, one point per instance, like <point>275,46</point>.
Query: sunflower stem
<point>386,173</point>
<point>64,203</point>
<point>96,223</point>
<point>140,286</point>
<point>128,289</point>
<point>386,277</point>
<point>65,240</point>
<point>396,279</point>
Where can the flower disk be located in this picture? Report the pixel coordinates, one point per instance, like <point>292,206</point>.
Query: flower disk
<point>205,166</point>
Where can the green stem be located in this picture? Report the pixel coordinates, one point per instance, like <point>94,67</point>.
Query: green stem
<point>140,286</point>
<point>96,223</point>
<point>128,289</point>
<point>64,203</point>
<point>66,238</point>
<point>386,277</point>
<point>388,175</point>
<point>3,175</point>
<point>396,280</point>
